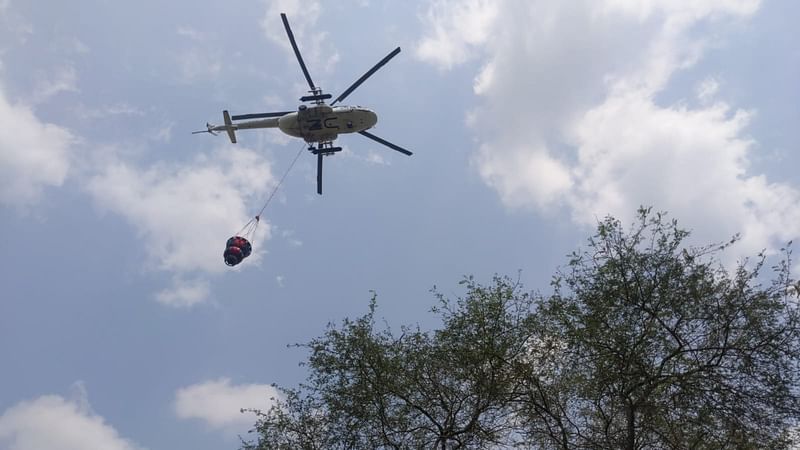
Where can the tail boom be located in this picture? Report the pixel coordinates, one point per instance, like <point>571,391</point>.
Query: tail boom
<point>230,127</point>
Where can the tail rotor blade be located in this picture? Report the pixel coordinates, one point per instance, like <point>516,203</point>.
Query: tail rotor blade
<point>209,129</point>
<point>297,51</point>
<point>386,143</point>
<point>364,77</point>
<point>319,173</point>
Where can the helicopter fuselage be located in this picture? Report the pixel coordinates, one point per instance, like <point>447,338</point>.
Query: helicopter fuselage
<point>319,122</point>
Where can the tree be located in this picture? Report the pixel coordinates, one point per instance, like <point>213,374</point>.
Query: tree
<point>664,349</point>
<point>446,389</point>
<point>644,343</point>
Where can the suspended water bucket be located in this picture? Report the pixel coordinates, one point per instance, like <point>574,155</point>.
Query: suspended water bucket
<point>236,250</point>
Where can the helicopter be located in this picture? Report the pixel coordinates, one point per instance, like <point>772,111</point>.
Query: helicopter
<point>318,123</point>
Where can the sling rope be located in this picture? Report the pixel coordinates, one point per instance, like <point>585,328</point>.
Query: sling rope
<point>250,227</point>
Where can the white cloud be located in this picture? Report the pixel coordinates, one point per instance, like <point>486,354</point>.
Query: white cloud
<point>191,33</point>
<point>116,109</point>
<point>163,133</point>
<point>568,113</point>
<point>75,45</point>
<point>184,293</point>
<point>376,158</point>
<point>202,59</point>
<point>54,423</point>
<point>289,236</point>
<point>691,162</point>
<point>303,16</point>
<point>539,178</point>
<point>13,26</point>
<point>707,89</point>
<point>199,64</point>
<point>458,27</point>
<point>33,154</point>
<point>185,212</point>
<point>219,403</point>
<point>64,79</point>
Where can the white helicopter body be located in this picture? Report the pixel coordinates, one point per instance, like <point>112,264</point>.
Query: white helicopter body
<point>314,124</point>
<point>318,123</point>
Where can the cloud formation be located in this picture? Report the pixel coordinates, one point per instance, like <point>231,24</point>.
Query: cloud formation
<point>457,30</point>
<point>63,79</point>
<point>54,423</point>
<point>184,293</point>
<point>184,212</point>
<point>303,16</point>
<point>568,114</point>
<point>33,154</point>
<point>219,403</point>
<point>200,58</point>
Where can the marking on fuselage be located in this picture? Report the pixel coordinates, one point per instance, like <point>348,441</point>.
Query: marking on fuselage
<point>317,124</point>
<point>327,125</point>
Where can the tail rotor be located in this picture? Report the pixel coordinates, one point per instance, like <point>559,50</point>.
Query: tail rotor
<point>209,129</point>
<point>229,127</point>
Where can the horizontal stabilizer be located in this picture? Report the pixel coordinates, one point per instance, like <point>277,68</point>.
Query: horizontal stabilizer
<point>229,126</point>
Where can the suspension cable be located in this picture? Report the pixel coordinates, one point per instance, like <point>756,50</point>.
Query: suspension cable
<point>253,223</point>
<point>281,181</point>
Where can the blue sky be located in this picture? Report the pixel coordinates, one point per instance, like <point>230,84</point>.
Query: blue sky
<point>120,325</point>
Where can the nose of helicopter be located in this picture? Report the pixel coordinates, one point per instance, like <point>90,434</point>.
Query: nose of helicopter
<point>371,118</point>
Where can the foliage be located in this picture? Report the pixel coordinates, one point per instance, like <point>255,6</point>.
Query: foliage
<point>665,349</point>
<point>644,343</point>
<point>445,389</point>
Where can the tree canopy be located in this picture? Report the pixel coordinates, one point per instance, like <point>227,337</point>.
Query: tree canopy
<point>643,343</point>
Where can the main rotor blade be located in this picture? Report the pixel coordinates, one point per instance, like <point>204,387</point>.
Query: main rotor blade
<point>366,75</point>
<point>385,142</point>
<point>260,115</point>
<point>297,51</point>
<point>319,173</point>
